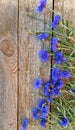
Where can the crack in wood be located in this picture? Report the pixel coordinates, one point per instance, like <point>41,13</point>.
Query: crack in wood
<point>51,56</point>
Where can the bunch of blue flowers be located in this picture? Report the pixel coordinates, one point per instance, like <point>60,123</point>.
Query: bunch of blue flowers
<point>53,89</point>
<point>41,111</point>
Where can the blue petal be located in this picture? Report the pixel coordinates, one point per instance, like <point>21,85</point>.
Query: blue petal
<point>35,113</point>
<point>25,124</point>
<point>46,88</point>
<point>56,21</point>
<point>64,122</point>
<point>42,102</point>
<point>55,73</point>
<point>42,36</point>
<point>56,92</point>
<point>44,111</point>
<point>41,6</point>
<point>37,83</point>
<point>65,74</point>
<point>54,44</point>
<point>43,122</point>
<point>59,84</point>
<point>59,58</point>
<point>49,96</point>
<point>43,55</point>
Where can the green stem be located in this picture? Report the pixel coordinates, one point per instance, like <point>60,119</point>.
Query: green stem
<point>71,38</point>
<point>33,16</point>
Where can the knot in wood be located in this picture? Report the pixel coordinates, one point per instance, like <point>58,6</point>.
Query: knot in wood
<point>7,47</point>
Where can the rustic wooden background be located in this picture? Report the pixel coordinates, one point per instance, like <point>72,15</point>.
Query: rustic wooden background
<point>19,63</point>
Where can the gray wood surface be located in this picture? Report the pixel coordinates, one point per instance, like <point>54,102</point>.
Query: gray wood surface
<point>8,64</point>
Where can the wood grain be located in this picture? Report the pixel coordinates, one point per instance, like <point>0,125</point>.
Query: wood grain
<point>8,64</point>
<point>29,63</point>
<point>67,8</point>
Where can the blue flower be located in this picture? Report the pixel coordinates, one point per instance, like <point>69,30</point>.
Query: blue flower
<point>64,122</point>
<point>47,91</point>
<point>54,44</point>
<point>59,84</point>
<point>35,113</point>
<point>44,111</point>
<point>46,88</point>
<point>65,74</point>
<point>52,82</point>
<point>41,5</point>
<point>55,73</point>
<point>43,108</point>
<point>25,124</point>
<point>49,97</point>
<point>41,111</point>
<point>41,103</point>
<point>43,122</point>
<point>42,36</point>
<point>59,58</point>
<point>37,83</point>
<point>56,21</point>
<point>43,55</point>
<point>56,91</point>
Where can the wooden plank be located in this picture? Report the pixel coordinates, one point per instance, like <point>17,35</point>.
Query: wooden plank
<point>8,64</point>
<point>29,63</point>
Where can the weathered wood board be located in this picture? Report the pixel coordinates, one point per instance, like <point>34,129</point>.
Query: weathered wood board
<point>8,64</point>
<point>19,63</point>
<point>29,63</point>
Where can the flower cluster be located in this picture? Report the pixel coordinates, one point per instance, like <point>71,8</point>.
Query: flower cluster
<point>41,111</point>
<point>51,89</point>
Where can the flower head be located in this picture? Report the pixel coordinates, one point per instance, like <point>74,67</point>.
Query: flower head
<point>43,108</point>
<point>41,5</point>
<point>56,21</point>
<point>43,55</point>
<point>43,122</point>
<point>52,82</point>
<point>25,124</point>
<point>65,74</point>
<point>35,113</point>
<point>59,84</point>
<point>41,111</point>
<point>44,111</point>
<point>56,91</point>
<point>46,88</point>
<point>41,103</point>
<point>59,58</point>
<point>64,122</point>
<point>49,97</point>
<point>54,44</point>
<point>42,36</point>
<point>55,73</point>
<point>37,83</point>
